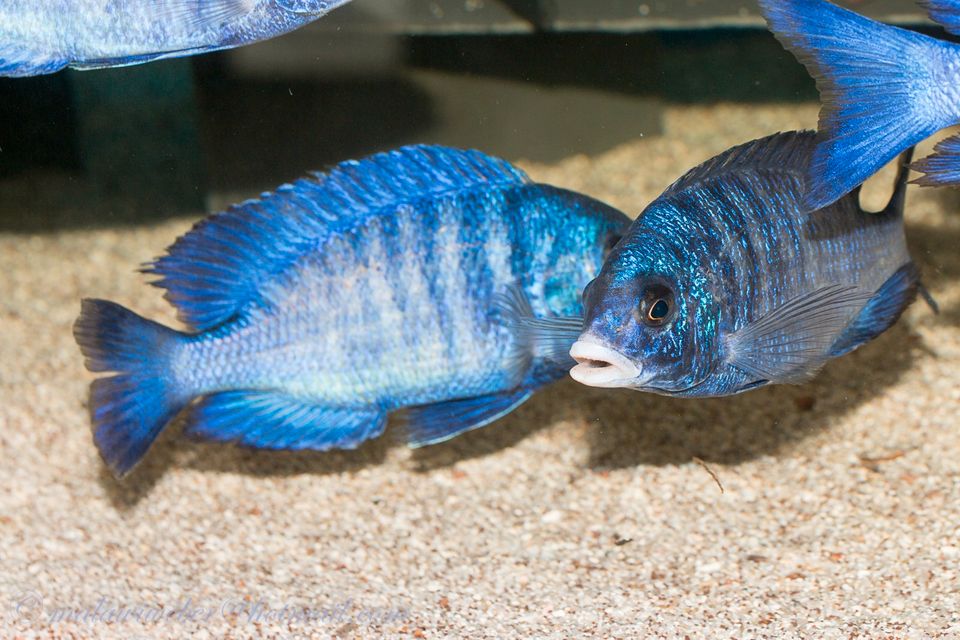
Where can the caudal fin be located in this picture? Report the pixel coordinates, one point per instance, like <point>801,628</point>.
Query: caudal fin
<point>128,409</point>
<point>942,167</point>
<point>946,12</point>
<point>880,88</point>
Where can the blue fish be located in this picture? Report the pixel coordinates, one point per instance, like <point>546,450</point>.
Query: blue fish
<point>427,277</point>
<point>44,36</point>
<point>883,89</point>
<point>726,283</point>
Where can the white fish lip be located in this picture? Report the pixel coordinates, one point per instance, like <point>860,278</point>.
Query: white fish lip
<point>601,366</point>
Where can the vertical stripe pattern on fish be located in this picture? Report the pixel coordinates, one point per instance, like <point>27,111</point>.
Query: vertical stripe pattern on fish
<point>317,310</point>
<point>726,283</point>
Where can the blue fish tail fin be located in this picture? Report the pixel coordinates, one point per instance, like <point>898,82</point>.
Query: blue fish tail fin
<point>881,311</point>
<point>942,167</point>
<point>128,409</point>
<point>880,88</point>
<point>944,12</point>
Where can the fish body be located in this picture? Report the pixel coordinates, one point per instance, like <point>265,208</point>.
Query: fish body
<point>319,309</point>
<point>883,89</point>
<point>726,283</point>
<point>43,37</point>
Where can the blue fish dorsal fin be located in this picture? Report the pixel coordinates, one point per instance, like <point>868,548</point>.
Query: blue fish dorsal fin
<point>791,343</point>
<point>788,151</point>
<point>224,264</point>
<point>412,173</point>
<point>439,422</point>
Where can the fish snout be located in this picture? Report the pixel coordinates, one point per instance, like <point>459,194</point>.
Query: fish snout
<point>600,366</point>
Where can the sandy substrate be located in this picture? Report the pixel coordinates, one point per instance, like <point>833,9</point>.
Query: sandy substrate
<point>584,513</point>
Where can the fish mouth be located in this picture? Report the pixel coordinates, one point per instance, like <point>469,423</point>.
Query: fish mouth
<point>600,366</point>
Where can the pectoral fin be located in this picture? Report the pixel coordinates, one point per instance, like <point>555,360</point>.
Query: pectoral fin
<point>549,338</point>
<point>790,343</point>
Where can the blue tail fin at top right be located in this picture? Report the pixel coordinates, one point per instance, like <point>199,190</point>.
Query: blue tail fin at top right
<point>944,12</point>
<point>881,89</point>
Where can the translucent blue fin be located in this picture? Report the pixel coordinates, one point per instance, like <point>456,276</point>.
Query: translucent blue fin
<point>274,420</point>
<point>549,338</point>
<point>20,61</point>
<point>791,343</point>
<point>944,12</point>
<point>880,89</point>
<point>130,409</point>
<point>226,262</point>
<point>91,64</point>
<point>434,423</point>
<point>881,311</point>
<point>942,167</point>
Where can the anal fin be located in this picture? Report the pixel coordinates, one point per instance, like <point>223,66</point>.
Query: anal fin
<point>881,311</point>
<point>274,420</point>
<point>433,423</point>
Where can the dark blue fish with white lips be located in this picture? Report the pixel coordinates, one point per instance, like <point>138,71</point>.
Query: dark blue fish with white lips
<point>883,89</point>
<point>726,283</point>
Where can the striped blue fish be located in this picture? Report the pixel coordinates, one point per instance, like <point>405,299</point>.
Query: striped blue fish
<point>727,283</point>
<point>44,36</point>
<point>428,278</point>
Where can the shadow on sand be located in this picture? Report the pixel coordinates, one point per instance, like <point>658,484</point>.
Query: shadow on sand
<point>625,428</point>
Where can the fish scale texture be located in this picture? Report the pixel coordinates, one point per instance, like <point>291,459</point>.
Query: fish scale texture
<point>581,515</point>
<point>43,37</point>
<point>762,287</point>
<point>344,296</point>
<point>398,311</point>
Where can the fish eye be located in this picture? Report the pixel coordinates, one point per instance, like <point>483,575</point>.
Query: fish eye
<point>658,311</point>
<point>656,305</point>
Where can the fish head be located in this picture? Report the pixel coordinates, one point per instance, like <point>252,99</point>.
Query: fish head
<point>641,320</point>
<point>308,7</point>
